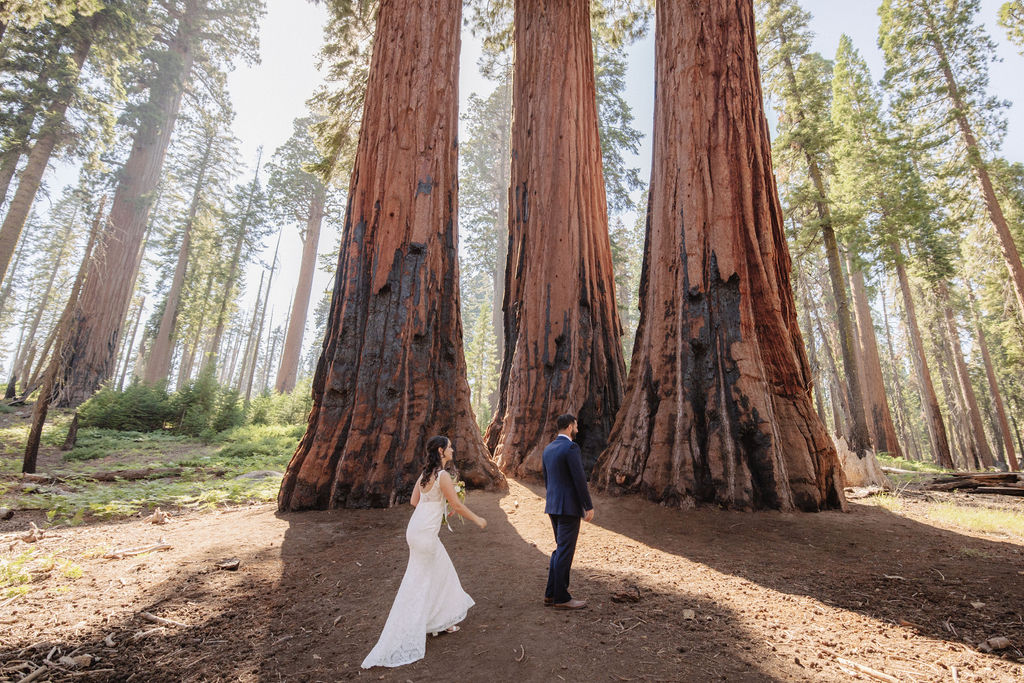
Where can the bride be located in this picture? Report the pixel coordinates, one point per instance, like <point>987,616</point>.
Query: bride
<point>430,599</point>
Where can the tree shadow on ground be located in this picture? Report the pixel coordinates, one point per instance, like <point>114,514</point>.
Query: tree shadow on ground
<point>508,634</point>
<point>868,560</point>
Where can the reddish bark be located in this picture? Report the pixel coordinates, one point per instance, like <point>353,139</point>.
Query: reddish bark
<point>563,349</point>
<point>289,369</point>
<point>993,386</point>
<point>96,326</point>
<point>929,400</point>
<point>159,364</point>
<point>876,401</point>
<point>392,372</point>
<point>718,407</point>
<point>977,441</point>
<point>38,159</point>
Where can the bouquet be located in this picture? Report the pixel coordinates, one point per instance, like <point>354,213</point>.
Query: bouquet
<point>460,491</point>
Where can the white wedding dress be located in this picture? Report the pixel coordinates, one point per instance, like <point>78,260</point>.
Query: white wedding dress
<point>430,598</point>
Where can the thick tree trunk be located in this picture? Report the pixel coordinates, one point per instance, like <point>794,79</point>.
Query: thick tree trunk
<point>933,416</point>
<point>875,397</point>
<point>993,387</point>
<point>159,364</point>
<point>563,347</point>
<point>290,354</point>
<point>718,407</point>
<point>392,373</point>
<point>92,342</point>
<point>978,440</point>
<point>38,159</point>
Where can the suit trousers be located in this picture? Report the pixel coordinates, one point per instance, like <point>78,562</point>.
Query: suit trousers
<point>567,530</point>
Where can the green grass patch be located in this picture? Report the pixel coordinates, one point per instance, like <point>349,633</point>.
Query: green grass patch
<point>208,476</point>
<point>951,513</point>
<point>912,465</point>
<point>14,573</point>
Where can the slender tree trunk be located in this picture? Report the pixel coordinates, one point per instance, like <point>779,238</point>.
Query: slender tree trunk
<point>875,398</point>
<point>563,348</point>
<point>718,407</point>
<point>58,361</point>
<point>963,455</point>
<point>232,276</point>
<point>901,405</point>
<point>1011,255</point>
<point>858,435</point>
<point>8,165</point>
<point>131,345</point>
<point>250,339</point>
<point>44,300</point>
<point>5,291</point>
<point>263,315</point>
<point>978,441</point>
<point>92,342</point>
<point>498,274</point>
<point>812,352</point>
<point>993,386</point>
<point>392,373</point>
<point>38,159</point>
<point>840,397</point>
<point>159,365</point>
<point>287,374</point>
<point>930,402</point>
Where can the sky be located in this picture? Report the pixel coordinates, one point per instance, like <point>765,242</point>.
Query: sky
<point>269,96</point>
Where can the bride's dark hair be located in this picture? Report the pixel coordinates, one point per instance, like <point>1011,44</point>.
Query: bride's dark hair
<point>433,461</point>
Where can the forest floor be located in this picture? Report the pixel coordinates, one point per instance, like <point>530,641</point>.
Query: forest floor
<point>908,586</point>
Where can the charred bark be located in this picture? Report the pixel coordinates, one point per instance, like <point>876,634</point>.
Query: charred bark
<point>563,350</point>
<point>392,372</point>
<point>718,407</point>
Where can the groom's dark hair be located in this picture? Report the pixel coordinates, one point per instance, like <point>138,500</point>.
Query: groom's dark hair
<point>564,421</point>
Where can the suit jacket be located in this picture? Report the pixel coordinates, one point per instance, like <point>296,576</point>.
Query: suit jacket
<point>566,484</point>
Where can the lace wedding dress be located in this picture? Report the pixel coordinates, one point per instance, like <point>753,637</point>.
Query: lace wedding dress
<point>430,598</point>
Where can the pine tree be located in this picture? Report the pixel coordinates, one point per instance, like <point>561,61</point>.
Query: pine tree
<point>1011,17</point>
<point>937,59</point>
<point>300,197</point>
<point>800,82</point>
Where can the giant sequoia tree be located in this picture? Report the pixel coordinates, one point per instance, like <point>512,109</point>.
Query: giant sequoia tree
<point>392,372</point>
<point>718,407</point>
<point>562,332</point>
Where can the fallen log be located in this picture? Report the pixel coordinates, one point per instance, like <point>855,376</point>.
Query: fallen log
<point>1001,490</point>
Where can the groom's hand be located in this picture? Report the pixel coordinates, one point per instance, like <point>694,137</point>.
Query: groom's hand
<point>588,516</point>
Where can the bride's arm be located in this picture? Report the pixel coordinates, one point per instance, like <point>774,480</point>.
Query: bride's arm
<point>415,500</point>
<point>448,489</point>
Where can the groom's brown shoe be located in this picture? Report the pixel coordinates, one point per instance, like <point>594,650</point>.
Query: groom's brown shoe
<point>572,604</point>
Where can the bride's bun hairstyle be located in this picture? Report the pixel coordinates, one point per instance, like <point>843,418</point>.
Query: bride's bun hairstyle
<point>433,461</point>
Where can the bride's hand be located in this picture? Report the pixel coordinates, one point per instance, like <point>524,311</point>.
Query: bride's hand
<point>482,523</point>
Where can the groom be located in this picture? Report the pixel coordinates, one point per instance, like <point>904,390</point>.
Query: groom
<point>567,501</point>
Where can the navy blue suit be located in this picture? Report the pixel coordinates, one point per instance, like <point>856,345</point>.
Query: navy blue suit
<point>567,500</point>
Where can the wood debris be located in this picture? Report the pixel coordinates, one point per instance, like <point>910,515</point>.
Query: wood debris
<point>868,671</point>
<point>158,517</point>
<point>1000,483</point>
<point>34,534</point>
<point>129,552</point>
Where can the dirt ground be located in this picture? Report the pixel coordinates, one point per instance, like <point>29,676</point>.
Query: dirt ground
<point>722,596</point>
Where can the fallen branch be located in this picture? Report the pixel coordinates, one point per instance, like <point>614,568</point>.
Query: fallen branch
<point>160,620</point>
<point>129,552</point>
<point>868,671</point>
<point>34,675</point>
<point>139,635</point>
